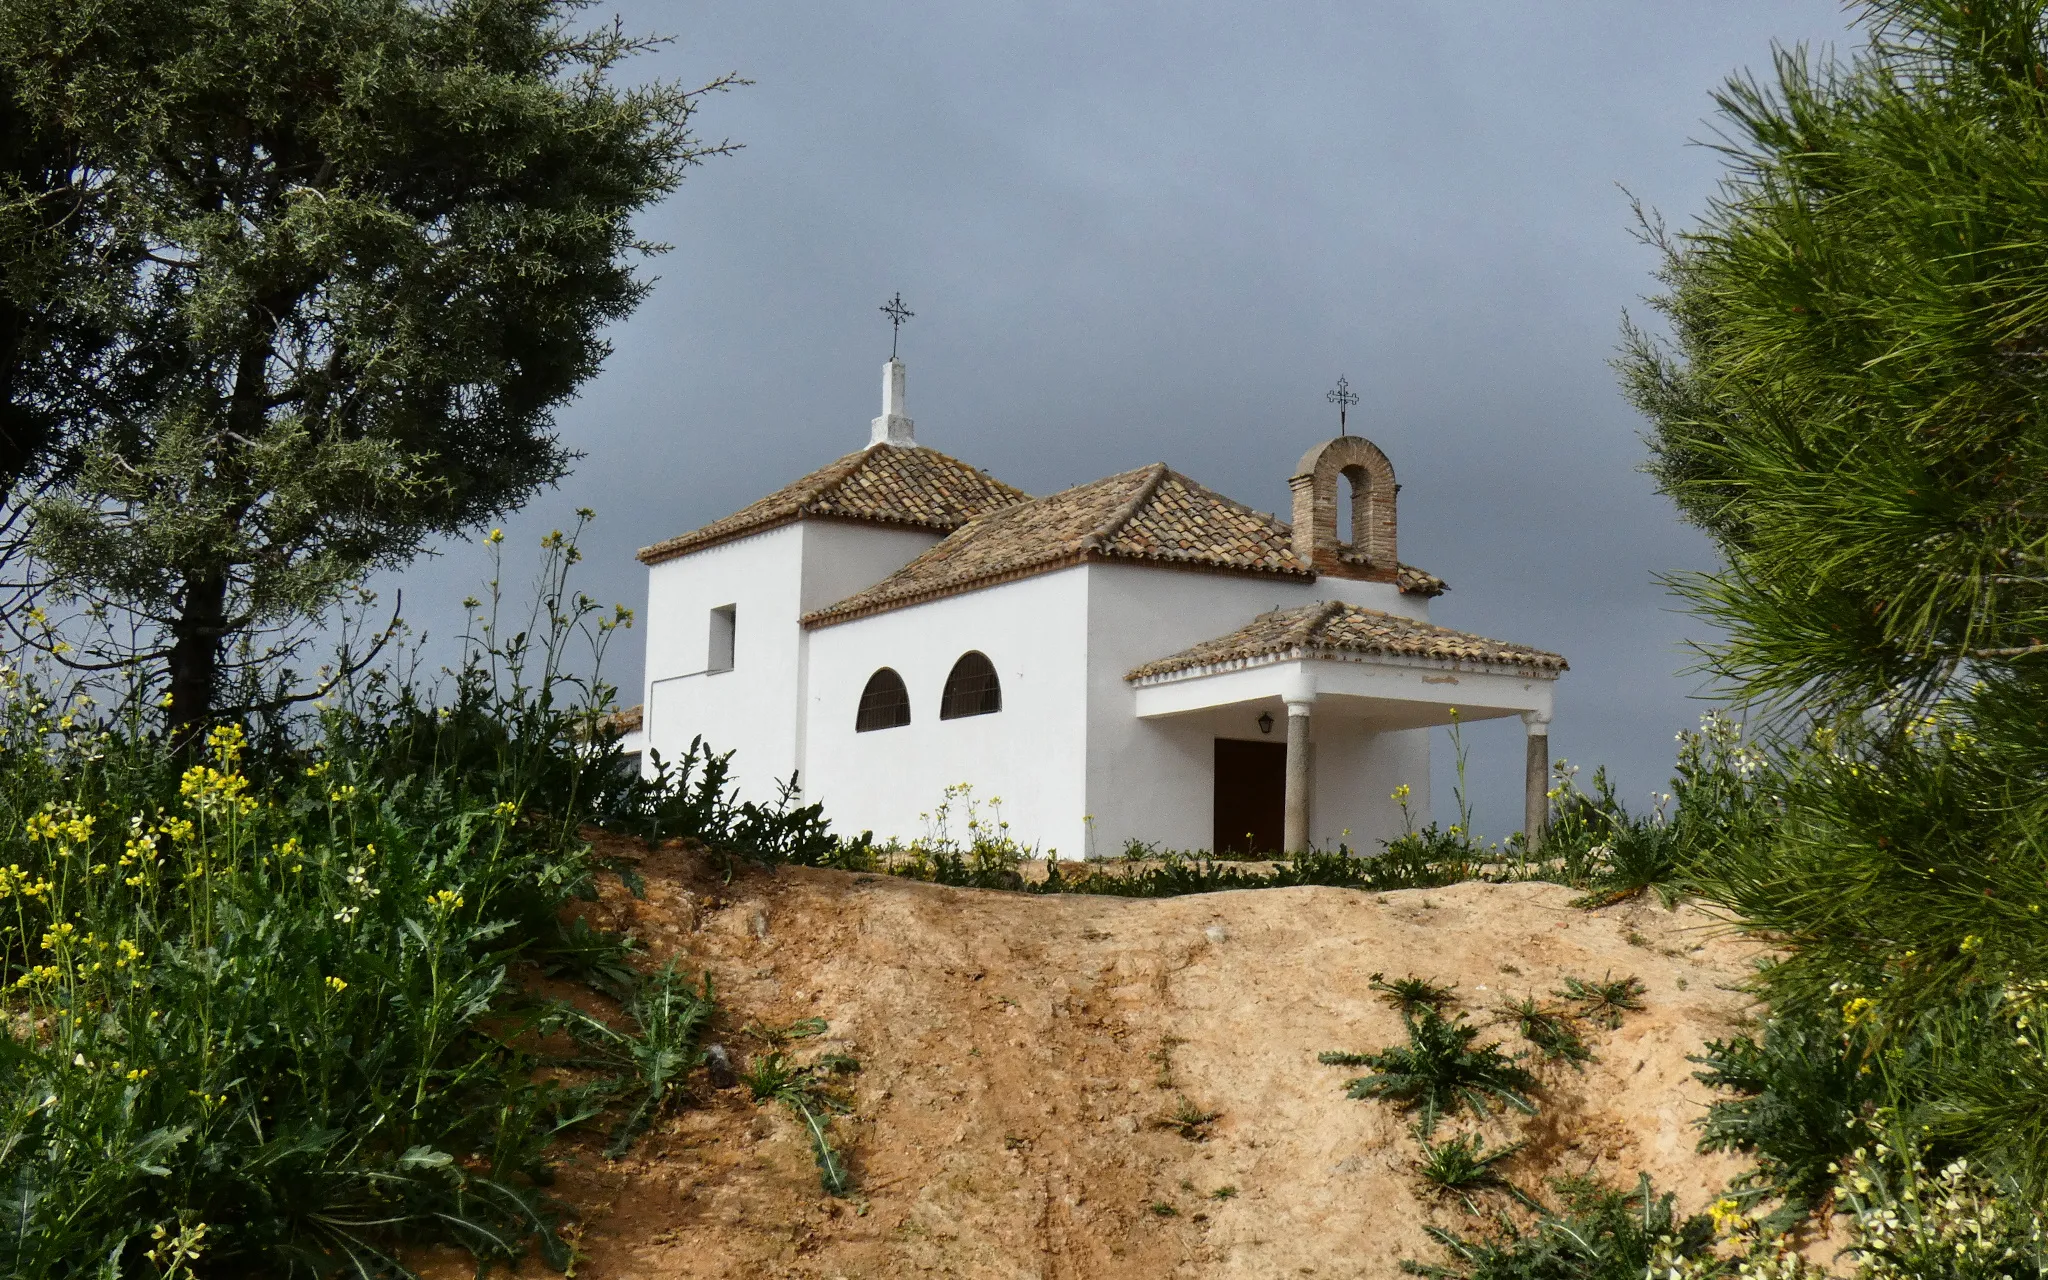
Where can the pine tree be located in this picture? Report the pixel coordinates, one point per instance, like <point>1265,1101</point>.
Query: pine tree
<point>1854,405</point>
<point>349,255</point>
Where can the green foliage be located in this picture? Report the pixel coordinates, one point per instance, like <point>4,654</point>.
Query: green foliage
<point>1912,1222</point>
<point>259,1012</point>
<point>1412,994</point>
<point>1801,1088</point>
<point>47,342</point>
<point>804,1089</point>
<point>1463,1166</point>
<point>1603,1002</point>
<point>351,256</point>
<point>1439,1073</point>
<point>669,1018</point>
<point>1595,1232</point>
<point>694,798</point>
<point>1851,408</point>
<point>1550,1030</point>
<point>266,1007</point>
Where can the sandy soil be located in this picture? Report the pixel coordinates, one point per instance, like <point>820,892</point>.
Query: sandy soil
<point>1021,1053</point>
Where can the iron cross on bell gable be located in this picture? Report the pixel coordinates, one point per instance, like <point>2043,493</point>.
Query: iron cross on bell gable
<point>1343,397</point>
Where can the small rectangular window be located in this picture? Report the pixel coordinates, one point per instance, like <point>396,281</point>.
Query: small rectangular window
<point>723,620</point>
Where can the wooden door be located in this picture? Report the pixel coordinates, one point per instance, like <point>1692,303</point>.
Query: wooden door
<point>1251,796</point>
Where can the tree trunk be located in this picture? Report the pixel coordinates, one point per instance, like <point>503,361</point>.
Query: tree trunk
<point>196,639</point>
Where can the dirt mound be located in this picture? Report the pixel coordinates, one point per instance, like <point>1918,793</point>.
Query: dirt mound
<point>1023,1057</point>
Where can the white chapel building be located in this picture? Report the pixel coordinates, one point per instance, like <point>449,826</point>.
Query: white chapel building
<point>1138,657</point>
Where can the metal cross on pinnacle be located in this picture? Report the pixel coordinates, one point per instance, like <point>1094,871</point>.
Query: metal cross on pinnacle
<point>897,313</point>
<point>1343,397</point>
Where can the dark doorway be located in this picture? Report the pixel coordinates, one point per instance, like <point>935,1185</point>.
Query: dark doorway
<point>1251,796</point>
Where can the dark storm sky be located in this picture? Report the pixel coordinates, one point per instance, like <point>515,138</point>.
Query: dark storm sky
<point>1159,232</point>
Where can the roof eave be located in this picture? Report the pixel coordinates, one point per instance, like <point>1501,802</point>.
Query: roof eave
<point>1153,673</point>
<point>833,615</point>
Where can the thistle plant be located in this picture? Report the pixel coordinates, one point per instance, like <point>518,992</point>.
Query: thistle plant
<point>1439,1073</point>
<point>805,1090</point>
<point>1603,1002</point>
<point>1550,1030</point>
<point>1412,994</point>
<point>1464,1166</point>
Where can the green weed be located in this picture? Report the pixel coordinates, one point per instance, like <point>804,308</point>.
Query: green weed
<point>1463,1166</point>
<point>1189,1121</point>
<point>1595,1232</point>
<point>669,1017</point>
<point>1439,1073</point>
<point>1550,1030</point>
<point>1412,994</point>
<point>1603,1002</point>
<point>773,1077</point>
<point>1799,1090</point>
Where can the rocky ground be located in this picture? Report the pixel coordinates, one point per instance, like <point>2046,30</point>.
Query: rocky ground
<point>1023,1059</point>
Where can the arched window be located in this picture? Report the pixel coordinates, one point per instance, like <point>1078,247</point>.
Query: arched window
<point>884,704</point>
<point>972,689</point>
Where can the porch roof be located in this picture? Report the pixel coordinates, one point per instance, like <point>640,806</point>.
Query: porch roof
<point>1392,670</point>
<point>1337,630</point>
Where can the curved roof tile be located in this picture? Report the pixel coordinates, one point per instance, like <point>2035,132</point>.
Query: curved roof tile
<point>883,484</point>
<point>1336,629</point>
<point>1153,515</point>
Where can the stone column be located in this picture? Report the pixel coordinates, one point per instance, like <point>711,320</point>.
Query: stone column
<point>1536,779</point>
<point>1294,825</point>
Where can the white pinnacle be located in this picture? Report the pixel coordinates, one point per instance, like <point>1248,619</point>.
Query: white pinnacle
<point>892,427</point>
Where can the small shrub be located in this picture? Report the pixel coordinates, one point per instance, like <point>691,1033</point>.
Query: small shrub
<point>1551,1031</point>
<point>669,1017</point>
<point>1463,1165</point>
<point>1189,1121</point>
<point>1799,1088</point>
<point>1604,1002</point>
<point>1439,1073</point>
<point>1595,1232</point>
<point>1412,994</point>
<point>1908,1222</point>
<point>773,1077</point>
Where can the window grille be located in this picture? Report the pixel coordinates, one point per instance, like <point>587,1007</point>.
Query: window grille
<point>972,689</point>
<point>884,704</point>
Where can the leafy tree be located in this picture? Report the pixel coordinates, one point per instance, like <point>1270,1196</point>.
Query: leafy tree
<point>49,343</point>
<point>1854,405</point>
<point>374,245</point>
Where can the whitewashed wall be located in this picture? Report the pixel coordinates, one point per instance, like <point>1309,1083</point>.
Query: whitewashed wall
<point>1077,770</point>
<point>772,579</point>
<point>1153,780</point>
<point>750,710</point>
<point>1030,753</point>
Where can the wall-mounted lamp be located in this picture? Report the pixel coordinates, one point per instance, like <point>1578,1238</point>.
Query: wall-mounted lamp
<point>1266,722</point>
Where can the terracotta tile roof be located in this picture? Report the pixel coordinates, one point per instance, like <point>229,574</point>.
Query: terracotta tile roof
<point>1152,514</point>
<point>1414,582</point>
<point>886,484</point>
<point>1333,629</point>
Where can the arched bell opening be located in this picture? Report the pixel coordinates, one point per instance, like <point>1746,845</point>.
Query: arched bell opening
<point>1362,546</point>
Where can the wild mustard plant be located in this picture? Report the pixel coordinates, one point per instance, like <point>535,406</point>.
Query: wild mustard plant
<point>257,995</point>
